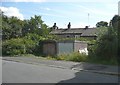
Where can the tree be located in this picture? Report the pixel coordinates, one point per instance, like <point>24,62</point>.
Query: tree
<point>102,24</point>
<point>16,27</point>
<point>107,45</point>
<point>21,37</point>
<point>11,27</point>
<point>6,28</point>
<point>35,25</point>
<point>115,23</point>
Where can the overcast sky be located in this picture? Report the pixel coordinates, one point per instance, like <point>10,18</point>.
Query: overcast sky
<point>63,11</point>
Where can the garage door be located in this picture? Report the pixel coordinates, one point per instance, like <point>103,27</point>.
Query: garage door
<point>49,49</point>
<point>65,48</point>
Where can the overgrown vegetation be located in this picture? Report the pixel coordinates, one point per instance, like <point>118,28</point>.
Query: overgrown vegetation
<point>23,37</point>
<point>18,46</point>
<point>77,57</point>
<point>106,46</point>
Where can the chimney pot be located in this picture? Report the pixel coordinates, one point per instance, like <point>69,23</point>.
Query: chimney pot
<point>69,25</point>
<point>86,27</point>
<point>55,26</point>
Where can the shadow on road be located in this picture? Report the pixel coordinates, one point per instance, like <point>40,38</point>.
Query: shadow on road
<point>88,77</point>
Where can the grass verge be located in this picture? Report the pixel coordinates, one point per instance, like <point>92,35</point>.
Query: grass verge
<point>75,57</point>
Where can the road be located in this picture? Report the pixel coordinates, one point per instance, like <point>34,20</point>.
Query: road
<point>16,72</point>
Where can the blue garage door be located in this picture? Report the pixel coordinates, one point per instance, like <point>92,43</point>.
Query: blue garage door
<point>65,48</point>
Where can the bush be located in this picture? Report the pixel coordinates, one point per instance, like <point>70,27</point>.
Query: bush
<point>107,46</point>
<point>77,57</point>
<point>36,39</point>
<point>12,47</point>
<point>29,46</point>
<point>17,46</point>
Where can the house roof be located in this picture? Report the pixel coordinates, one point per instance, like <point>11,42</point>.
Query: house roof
<point>81,31</point>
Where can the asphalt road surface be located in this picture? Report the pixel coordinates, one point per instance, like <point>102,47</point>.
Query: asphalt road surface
<point>16,72</point>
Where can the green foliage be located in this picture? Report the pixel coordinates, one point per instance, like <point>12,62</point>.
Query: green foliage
<point>37,40</point>
<point>115,24</point>
<point>18,46</point>
<point>105,49</point>
<point>22,37</point>
<point>35,37</point>
<point>98,60</point>
<point>102,24</point>
<point>77,57</point>
<point>29,45</point>
<point>106,45</point>
<point>13,47</point>
<point>53,37</point>
<point>101,31</point>
<point>11,27</point>
<point>35,25</point>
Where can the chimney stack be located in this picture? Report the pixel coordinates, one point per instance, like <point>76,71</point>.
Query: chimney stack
<point>86,27</point>
<point>54,26</point>
<point>69,25</point>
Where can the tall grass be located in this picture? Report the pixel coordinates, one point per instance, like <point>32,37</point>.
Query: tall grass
<point>77,57</point>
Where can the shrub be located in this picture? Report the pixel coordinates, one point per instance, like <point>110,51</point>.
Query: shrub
<point>35,40</point>
<point>62,57</point>
<point>29,45</point>
<point>12,47</point>
<point>106,47</point>
<point>77,57</point>
<point>17,46</point>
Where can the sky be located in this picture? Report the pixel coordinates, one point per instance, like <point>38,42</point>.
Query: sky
<point>79,12</point>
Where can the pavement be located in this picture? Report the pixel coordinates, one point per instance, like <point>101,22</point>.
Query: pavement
<point>80,66</point>
<point>22,73</point>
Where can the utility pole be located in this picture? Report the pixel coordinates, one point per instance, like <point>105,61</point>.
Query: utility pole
<point>88,19</point>
<point>119,8</point>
